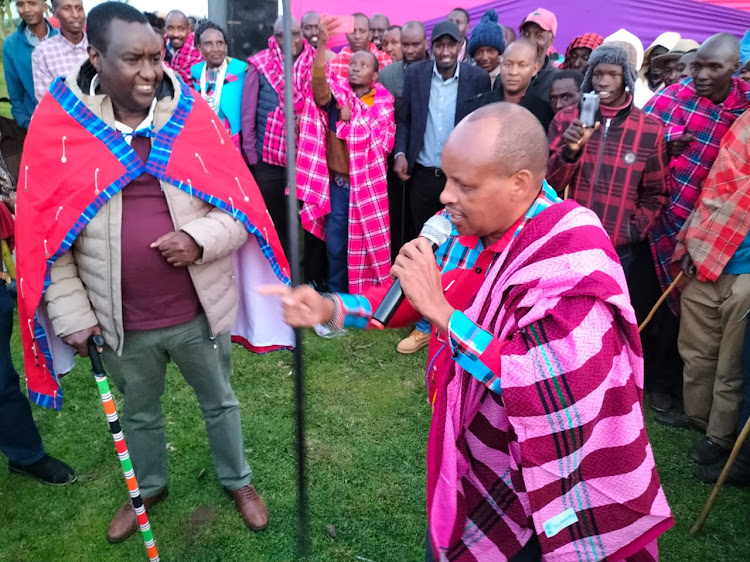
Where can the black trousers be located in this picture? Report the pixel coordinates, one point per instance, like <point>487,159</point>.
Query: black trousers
<point>662,362</point>
<point>400,218</point>
<point>271,181</point>
<point>424,189</point>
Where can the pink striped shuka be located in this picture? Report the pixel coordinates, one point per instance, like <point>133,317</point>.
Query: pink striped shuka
<point>369,135</point>
<point>546,435</point>
<point>270,63</point>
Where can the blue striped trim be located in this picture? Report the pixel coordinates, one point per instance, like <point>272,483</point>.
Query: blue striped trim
<point>161,151</point>
<point>467,342</point>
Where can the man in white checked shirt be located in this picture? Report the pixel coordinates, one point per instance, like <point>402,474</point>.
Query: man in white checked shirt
<point>61,54</point>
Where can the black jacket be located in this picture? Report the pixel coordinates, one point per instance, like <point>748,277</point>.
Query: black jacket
<point>541,83</point>
<point>411,122</point>
<point>535,104</point>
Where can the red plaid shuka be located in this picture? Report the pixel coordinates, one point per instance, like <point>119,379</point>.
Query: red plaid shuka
<point>369,136</point>
<point>589,40</point>
<point>270,63</point>
<point>340,63</point>
<point>681,109</point>
<point>721,219</point>
<point>620,174</point>
<point>184,59</point>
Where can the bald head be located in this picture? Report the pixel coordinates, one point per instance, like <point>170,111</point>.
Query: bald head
<point>494,161</point>
<point>519,138</point>
<point>413,42</point>
<point>177,15</point>
<point>311,27</point>
<point>715,63</point>
<point>298,43</point>
<point>721,45</point>
<point>278,26</point>
<point>521,48</point>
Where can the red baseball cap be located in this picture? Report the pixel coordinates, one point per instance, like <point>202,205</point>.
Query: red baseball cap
<point>543,18</point>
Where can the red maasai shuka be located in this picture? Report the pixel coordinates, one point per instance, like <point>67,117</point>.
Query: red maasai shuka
<point>74,163</point>
<point>369,135</point>
<point>270,63</point>
<point>721,219</point>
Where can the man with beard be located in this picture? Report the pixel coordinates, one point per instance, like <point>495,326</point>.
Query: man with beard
<point>63,52</point>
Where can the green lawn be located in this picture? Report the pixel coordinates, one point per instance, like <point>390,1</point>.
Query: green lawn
<point>367,427</point>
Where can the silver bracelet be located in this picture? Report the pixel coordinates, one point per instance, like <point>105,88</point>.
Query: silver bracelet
<point>337,319</point>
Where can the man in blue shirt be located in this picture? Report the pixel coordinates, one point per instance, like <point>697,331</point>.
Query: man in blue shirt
<point>437,95</point>
<point>17,51</point>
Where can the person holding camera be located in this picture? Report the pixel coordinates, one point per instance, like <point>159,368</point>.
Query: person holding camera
<point>613,158</point>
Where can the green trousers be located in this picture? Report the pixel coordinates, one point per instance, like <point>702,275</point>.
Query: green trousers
<point>140,374</point>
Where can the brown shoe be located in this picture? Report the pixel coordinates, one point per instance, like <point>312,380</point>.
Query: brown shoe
<point>413,342</point>
<point>125,522</point>
<point>252,507</point>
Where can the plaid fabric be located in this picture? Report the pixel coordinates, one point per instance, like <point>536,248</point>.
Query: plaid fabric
<point>270,63</point>
<point>184,58</point>
<point>563,452</point>
<point>589,40</point>
<point>721,219</point>
<point>369,136</point>
<point>55,57</point>
<point>680,109</point>
<point>340,63</point>
<point>620,174</point>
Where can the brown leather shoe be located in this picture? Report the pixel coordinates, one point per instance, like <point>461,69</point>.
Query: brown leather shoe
<point>125,522</point>
<point>252,507</point>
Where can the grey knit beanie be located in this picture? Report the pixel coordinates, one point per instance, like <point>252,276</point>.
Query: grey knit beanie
<point>610,54</point>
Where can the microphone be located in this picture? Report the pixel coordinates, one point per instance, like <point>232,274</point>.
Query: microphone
<point>436,230</point>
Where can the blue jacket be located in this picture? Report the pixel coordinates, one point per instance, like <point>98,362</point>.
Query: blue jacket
<point>17,62</point>
<point>230,104</point>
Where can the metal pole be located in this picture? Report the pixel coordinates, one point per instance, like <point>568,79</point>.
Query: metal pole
<point>303,535</point>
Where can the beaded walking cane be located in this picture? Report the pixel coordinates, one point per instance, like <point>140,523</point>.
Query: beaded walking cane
<point>110,410</point>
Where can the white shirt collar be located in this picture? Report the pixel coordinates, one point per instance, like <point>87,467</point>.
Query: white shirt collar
<point>122,127</point>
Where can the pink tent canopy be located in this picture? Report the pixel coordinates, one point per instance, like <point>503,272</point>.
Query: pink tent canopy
<point>694,19</point>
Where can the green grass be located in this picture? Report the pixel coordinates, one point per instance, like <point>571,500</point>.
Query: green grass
<point>367,428</point>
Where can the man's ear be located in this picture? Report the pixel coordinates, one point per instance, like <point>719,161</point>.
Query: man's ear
<point>523,184</point>
<point>95,58</point>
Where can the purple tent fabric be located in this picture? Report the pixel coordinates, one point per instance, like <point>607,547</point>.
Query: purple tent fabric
<point>690,18</point>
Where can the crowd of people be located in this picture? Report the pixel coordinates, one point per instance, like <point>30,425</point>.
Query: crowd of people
<point>564,232</point>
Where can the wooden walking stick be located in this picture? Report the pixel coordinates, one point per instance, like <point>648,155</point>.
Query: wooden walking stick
<point>722,478</point>
<point>659,302</point>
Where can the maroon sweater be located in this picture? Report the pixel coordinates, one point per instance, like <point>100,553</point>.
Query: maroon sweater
<point>155,294</point>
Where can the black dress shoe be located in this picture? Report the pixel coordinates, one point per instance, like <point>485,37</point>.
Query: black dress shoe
<point>672,419</point>
<point>47,470</point>
<point>708,451</point>
<point>739,474</point>
<point>660,401</point>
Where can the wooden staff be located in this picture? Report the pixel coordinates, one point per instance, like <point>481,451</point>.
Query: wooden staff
<point>659,302</point>
<point>722,478</point>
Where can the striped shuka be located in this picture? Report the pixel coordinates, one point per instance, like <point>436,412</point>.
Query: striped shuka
<point>561,451</point>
